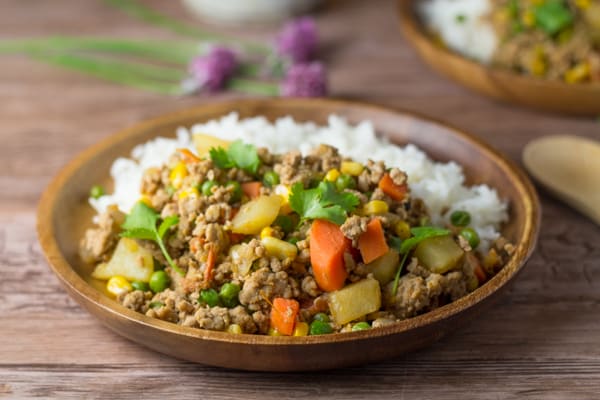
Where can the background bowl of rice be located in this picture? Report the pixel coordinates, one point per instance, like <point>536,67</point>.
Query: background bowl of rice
<point>64,214</point>
<point>576,99</point>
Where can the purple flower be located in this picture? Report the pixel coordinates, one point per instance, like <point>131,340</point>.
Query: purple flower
<point>305,80</point>
<point>297,41</point>
<point>211,71</point>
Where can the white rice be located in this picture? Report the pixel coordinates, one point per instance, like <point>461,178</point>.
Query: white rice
<point>440,185</point>
<point>463,26</point>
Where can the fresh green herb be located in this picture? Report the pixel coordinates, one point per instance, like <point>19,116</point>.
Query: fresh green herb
<point>418,235</point>
<point>285,222</point>
<point>322,202</point>
<point>141,224</point>
<point>553,16</point>
<point>156,304</point>
<point>96,191</point>
<point>239,154</point>
<point>460,18</point>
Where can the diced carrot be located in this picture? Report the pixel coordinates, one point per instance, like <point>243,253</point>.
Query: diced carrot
<point>188,156</point>
<point>283,315</point>
<point>371,243</point>
<point>480,274</point>
<point>251,189</point>
<point>327,247</point>
<point>210,264</point>
<point>396,192</point>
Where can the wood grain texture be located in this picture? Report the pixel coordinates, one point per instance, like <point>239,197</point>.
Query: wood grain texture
<point>541,341</point>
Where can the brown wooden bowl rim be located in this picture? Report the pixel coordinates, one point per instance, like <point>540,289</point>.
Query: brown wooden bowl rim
<point>415,33</point>
<point>73,281</point>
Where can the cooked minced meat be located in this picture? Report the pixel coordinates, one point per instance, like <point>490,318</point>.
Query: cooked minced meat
<point>288,242</point>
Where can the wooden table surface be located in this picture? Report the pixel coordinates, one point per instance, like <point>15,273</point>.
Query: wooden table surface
<point>542,339</point>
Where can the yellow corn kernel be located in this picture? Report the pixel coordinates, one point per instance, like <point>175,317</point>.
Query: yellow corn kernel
<point>279,248</point>
<point>332,175</point>
<point>301,329</point>
<point>528,18</point>
<point>375,207</point>
<point>118,285</point>
<point>274,332</point>
<point>267,231</point>
<point>193,192</point>
<point>583,4</point>
<point>177,174</point>
<point>402,229</point>
<point>284,192</point>
<point>491,260</point>
<point>352,168</point>
<point>234,329</point>
<point>146,200</point>
<point>578,73</point>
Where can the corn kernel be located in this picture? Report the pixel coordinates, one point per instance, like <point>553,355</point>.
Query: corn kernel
<point>284,192</point>
<point>177,174</point>
<point>301,329</point>
<point>583,4</point>
<point>274,332</point>
<point>279,248</point>
<point>578,73</point>
<point>375,207</point>
<point>234,329</point>
<point>402,229</point>
<point>146,200</point>
<point>118,285</point>
<point>193,192</point>
<point>267,231</point>
<point>332,175</point>
<point>528,18</point>
<point>352,168</point>
<point>491,260</point>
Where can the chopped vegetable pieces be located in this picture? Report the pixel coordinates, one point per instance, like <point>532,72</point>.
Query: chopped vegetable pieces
<point>396,192</point>
<point>284,314</point>
<point>371,243</point>
<point>327,247</point>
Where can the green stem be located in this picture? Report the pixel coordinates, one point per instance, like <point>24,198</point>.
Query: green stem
<point>253,87</point>
<point>167,256</point>
<point>397,277</point>
<point>112,71</point>
<point>140,11</point>
<point>171,52</point>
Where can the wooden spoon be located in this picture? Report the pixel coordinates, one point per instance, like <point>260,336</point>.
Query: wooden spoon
<point>569,166</point>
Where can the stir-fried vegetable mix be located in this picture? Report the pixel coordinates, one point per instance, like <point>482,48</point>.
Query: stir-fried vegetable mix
<point>240,240</point>
<point>553,39</point>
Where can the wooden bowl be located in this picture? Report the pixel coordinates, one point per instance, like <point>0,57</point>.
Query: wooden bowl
<point>577,99</point>
<point>64,214</point>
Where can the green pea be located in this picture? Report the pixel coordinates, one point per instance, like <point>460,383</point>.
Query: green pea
<point>159,281</point>
<point>285,222</point>
<point>361,326</point>
<point>96,191</point>
<point>139,285</point>
<point>321,317</point>
<point>471,235</point>
<point>345,181</point>
<point>236,191</point>
<point>207,187</point>
<point>270,179</point>
<point>320,328</point>
<point>210,297</point>
<point>293,240</point>
<point>229,294</point>
<point>460,218</point>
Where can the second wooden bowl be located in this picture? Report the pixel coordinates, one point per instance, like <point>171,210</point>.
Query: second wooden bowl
<point>64,215</point>
<point>577,99</point>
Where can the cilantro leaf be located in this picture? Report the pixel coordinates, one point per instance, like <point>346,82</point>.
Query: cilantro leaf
<point>219,156</point>
<point>553,16</point>
<point>320,203</point>
<point>244,156</point>
<point>239,154</point>
<point>140,223</point>
<point>330,196</point>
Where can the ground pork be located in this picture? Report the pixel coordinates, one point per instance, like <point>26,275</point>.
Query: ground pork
<point>97,243</point>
